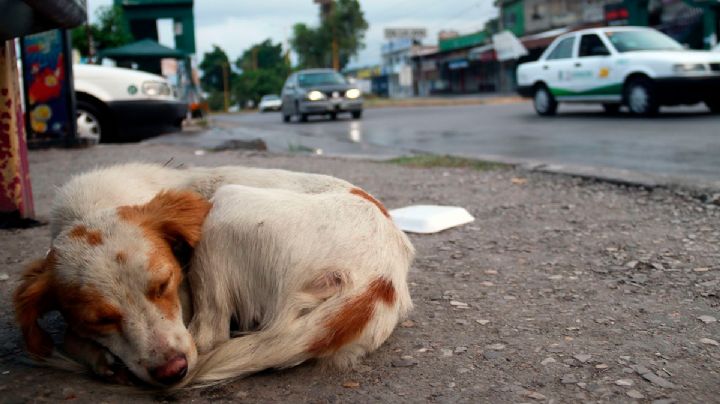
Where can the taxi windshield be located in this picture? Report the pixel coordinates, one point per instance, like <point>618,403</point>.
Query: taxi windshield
<point>641,40</point>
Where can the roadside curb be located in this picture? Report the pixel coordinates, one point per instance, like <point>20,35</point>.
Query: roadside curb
<point>440,102</point>
<point>706,191</point>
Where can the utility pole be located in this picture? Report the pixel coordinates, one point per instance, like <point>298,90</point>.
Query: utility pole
<point>90,39</point>
<point>327,7</point>
<point>226,90</point>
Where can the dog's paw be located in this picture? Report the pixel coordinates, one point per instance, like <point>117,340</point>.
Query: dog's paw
<point>109,368</point>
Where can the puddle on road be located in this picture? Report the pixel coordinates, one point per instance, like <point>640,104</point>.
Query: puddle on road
<point>355,132</point>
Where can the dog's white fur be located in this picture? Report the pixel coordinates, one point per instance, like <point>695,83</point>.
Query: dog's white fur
<point>308,266</point>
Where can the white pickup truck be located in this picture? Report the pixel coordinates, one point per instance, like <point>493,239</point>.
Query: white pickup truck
<point>640,68</point>
<point>116,104</point>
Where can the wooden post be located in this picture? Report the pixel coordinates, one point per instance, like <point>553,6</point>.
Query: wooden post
<point>16,201</point>
<point>226,89</point>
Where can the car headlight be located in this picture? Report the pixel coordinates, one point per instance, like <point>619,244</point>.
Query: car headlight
<point>353,93</point>
<point>315,95</point>
<point>156,89</point>
<point>689,68</point>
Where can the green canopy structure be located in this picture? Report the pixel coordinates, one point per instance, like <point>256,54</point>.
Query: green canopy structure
<point>146,53</point>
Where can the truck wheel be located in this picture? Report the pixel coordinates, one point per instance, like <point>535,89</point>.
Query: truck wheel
<point>713,105</point>
<point>286,118</point>
<point>611,109</point>
<point>544,102</point>
<point>303,117</point>
<point>92,124</point>
<point>357,114</point>
<point>640,97</point>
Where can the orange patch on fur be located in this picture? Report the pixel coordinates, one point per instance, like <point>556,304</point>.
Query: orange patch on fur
<point>170,217</point>
<point>348,323</point>
<point>92,237</point>
<point>121,257</point>
<point>88,312</point>
<point>359,192</point>
<point>34,297</point>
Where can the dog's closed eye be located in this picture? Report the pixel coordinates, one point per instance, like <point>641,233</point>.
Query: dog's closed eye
<point>160,288</point>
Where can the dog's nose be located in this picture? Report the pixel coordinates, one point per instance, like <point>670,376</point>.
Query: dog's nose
<point>171,372</point>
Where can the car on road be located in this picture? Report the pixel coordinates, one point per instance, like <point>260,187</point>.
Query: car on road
<point>640,68</point>
<point>319,92</point>
<point>116,104</point>
<point>270,102</point>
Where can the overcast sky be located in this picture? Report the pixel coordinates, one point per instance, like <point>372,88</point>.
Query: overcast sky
<point>235,25</point>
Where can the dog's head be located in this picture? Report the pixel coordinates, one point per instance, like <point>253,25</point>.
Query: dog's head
<point>116,280</point>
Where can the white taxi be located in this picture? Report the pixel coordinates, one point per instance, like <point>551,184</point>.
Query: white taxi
<point>640,68</point>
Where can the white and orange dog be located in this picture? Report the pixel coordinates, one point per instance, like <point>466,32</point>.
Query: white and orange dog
<point>304,266</point>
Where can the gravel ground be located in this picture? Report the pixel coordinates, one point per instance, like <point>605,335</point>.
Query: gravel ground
<point>562,290</point>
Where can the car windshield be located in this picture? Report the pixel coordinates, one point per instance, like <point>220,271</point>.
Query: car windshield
<point>270,97</point>
<point>641,40</point>
<point>320,79</point>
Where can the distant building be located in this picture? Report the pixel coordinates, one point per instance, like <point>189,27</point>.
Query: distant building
<point>396,78</point>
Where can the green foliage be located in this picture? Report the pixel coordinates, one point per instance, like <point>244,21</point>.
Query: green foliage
<point>430,161</point>
<point>251,85</point>
<point>216,101</point>
<point>109,32</point>
<point>264,55</point>
<point>313,46</point>
<point>212,65</point>
<point>346,22</point>
<point>264,70</point>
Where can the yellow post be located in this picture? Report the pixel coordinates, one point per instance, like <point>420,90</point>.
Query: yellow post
<point>16,201</point>
<point>226,91</point>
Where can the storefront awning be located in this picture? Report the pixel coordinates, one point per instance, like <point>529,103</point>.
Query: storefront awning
<point>542,39</point>
<point>482,53</point>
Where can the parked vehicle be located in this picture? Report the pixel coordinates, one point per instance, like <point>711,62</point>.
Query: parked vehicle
<point>116,104</point>
<point>319,92</point>
<point>270,102</point>
<point>640,68</point>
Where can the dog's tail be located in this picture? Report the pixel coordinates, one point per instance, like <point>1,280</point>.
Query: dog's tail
<point>339,330</point>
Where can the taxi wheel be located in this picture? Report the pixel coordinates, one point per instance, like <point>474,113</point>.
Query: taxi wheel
<point>333,116</point>
<point>303,117</point>
<point>286,118</point>
<point>640,97</point>
<point>93,125</point>
<point>713,105</point>
<point>357,114</point>
<point>611,109</point>
<point>544,102</point>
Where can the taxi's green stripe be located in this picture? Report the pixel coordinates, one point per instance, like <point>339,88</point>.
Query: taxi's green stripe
<point>612,89</point>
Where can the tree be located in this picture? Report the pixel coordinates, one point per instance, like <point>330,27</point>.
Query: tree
<point>212,66</point>
<point>109,32</point>
<point>264,69</point>
<point>264,55</point>
<point>345,23</point>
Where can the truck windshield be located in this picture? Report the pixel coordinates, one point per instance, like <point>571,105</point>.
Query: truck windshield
<point>641,40</point>
<point>320,79</point>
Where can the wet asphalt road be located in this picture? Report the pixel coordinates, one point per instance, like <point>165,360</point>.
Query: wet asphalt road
<point>682,142</point>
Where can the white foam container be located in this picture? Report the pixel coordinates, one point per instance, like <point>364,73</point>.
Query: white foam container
<point>427,219</point>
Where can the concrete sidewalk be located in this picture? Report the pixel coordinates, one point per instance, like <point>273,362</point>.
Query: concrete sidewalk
<point>562,290</point>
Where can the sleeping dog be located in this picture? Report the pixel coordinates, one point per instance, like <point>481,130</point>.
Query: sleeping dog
<point>305,266</point>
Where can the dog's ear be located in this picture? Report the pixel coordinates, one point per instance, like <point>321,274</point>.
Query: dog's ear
<point>33,298</point>
<point>177,215</point>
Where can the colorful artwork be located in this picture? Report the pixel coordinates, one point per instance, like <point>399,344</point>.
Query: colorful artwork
<point>47,94</point>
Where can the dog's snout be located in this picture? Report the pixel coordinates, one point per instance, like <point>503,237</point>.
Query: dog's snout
<point>171,372</point>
